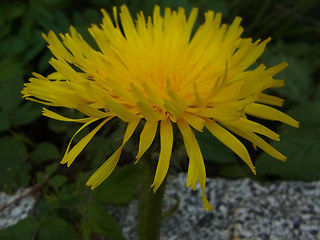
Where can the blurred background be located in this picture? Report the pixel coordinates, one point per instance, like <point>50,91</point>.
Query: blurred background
<point>31,146</point>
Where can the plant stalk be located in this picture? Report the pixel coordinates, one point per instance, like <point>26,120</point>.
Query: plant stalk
<point>150,203</point>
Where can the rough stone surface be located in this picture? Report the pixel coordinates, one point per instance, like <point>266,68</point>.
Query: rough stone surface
<point>17,210</point>
<point>243,210</point>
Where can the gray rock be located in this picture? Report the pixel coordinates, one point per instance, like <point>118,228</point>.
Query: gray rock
<point>243,210</point>
<point>19,207</point>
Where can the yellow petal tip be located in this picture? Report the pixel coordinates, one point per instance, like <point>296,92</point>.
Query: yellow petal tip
<point>63,161</point>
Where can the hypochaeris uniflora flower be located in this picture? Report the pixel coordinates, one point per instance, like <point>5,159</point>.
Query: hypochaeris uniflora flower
<point>157,70</point>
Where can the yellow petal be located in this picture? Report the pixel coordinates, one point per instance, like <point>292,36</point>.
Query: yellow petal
<point>197,97</point>
<point>234,30</point>
<point>66,70</point>
<point>269,113</point>
<point>146,138</point>
<point>130,129</point>
<point>172,108</point>
<point>56,76</point>
<point>122,112</point>
<point>115,15</point>
<point>251,126</point>
<point>41,102</point>
<point>56,116</point>
<point>206,203</point>
<point>64,159</point>
<point>57,47</point>
<point>277,68</point>
<point>193,151</point>
<point>256,140</point>
<point>74,152</point>
<point>230,141</point>
<point>227,92</point>
<point>166,141</point>
<point>196,168</point>
<point>127,22</point>
<point>92,112</point>
<point>271,100</point>
<point>147,111</point>
<point>194,121</point>
<point>179,101</point>
<point>105,169</point>
<point>176,105</point>
<point>220,113</point>
<point>277,83</point>
<point>153,96</point>
<point>191,20</point>
<point>108,166</point>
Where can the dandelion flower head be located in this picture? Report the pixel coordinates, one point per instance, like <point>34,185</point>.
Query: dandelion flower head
<point>160,70</point>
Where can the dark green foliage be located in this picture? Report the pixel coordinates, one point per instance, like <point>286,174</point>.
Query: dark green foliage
<point>98,221</point>
<point>14,170</point>
<point>303,60</point>
<point>100,147</point>
<point>55,228</point>
<point>120,187</point>
<point>22,230</point>
<point>300,145</point>
<point>213,149</point>
<point>32,146</point>
<point>44,151</point>
<point>43,229</point>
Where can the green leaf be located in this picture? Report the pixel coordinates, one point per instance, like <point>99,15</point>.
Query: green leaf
<point>23,230</point>
<point>14,168</point>
<point>50,169</point>
<point>79,185</point>
<point>215,5</point>
<point>41,177</point>
<point>27,113</point>
<point>12,11</point>
<point>44,151</point>
<point>176,4</point>
<point>82,20</point>
<point>65,199</point>
<point>120,187</point>
<point>57,181</point>
<point>58,126</point>
<point>98,221</point>
<point>52,4</point>
<point>62,20</point>
<point>56,228</point>
<point>99,148</point>
<point>37,45</point>
<point>301,146</point>
<point>92,15</point>
<point>297,75</point>
<point>69,127</point>
<point>235,171</point>
<point>14,45</point>
<point>4,122</point>
<point>43,63</point>
<point>9,11</point>
<point>11,69</point>
<point>10,96</point>
<point>73,129</point>
<point>212,149</point>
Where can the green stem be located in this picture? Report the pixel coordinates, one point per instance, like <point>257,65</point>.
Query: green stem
<point>150,203</point>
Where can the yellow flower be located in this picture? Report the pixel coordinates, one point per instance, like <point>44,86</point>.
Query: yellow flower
<point>157,69</point>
